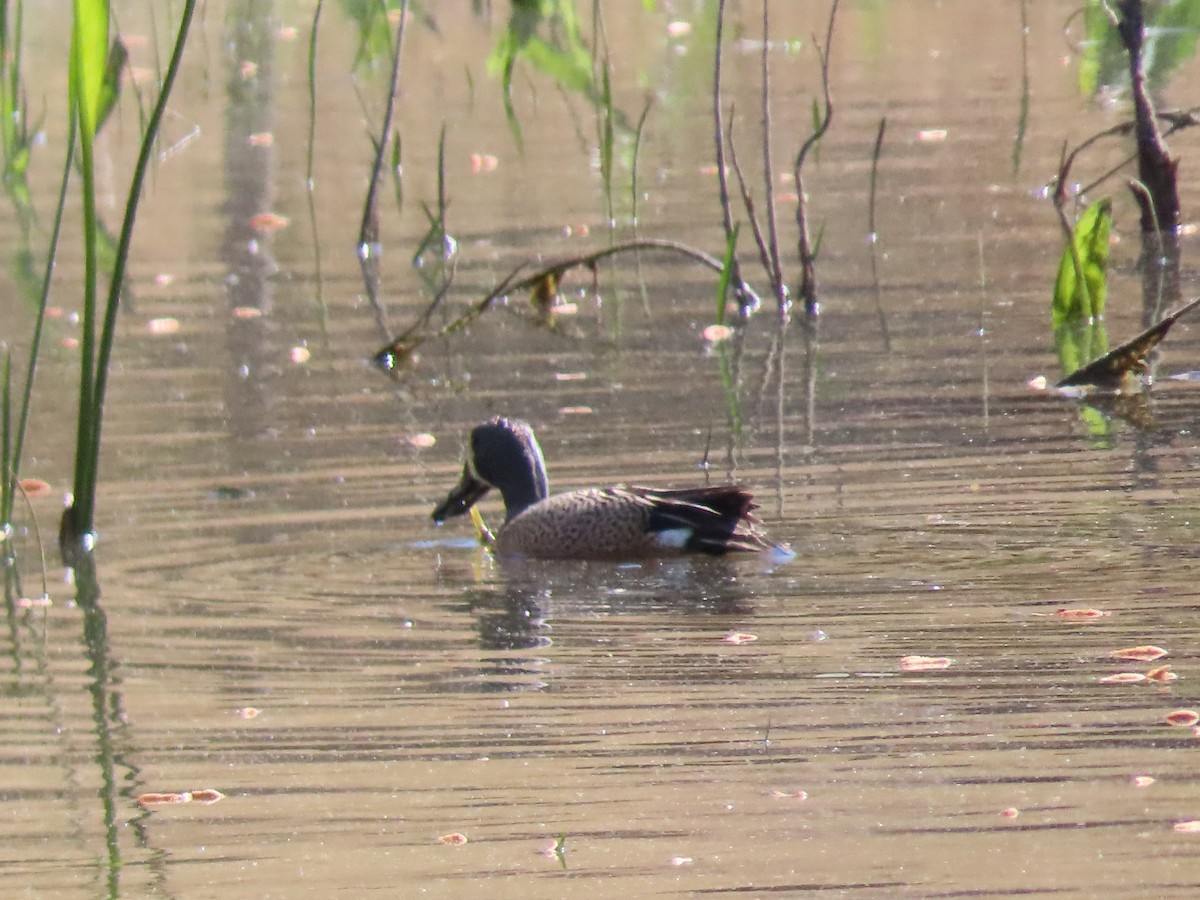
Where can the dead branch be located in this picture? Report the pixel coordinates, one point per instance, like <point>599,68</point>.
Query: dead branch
<point>808,274</point>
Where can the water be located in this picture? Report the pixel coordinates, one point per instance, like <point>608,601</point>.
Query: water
<point>265,539</point>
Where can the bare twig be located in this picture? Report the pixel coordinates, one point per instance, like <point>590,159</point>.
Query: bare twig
<point>403,346</point>
<point>1178,120</point>
<point>808,275</point>
<point>764,250</point>
<point>774,269</point>
<point>368,233</point>
<point>722,175</point>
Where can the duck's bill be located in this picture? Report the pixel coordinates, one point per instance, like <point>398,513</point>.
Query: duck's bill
<point>465,494</point>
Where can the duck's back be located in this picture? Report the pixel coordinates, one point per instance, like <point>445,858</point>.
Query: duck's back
<point>630,522</point>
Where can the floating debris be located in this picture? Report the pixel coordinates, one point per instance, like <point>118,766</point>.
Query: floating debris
<point>34,487</point>
<point>1009,812</point>
<point>158,799</point>
<point>261,139</point>
<point>1191,826</point>
<point>1123,678</point>
<point>1080,615</point>
<point>207,796</point>
<point>788,795</point>
<point>300,355</point>
<point>422,440</point>
<point>1161,674</point>
<point>714,334</point>
<point>483,162</point>
<point>165,325</point>
<point>739,637</point>
<point>33,602</point>
<point>1143,653</point>
<point>268,222</point>
<point>932,135</point>
<point>925,663</point>
<point>1142,781</point>
<point>453,839</point>
<point>249,712</point>
<point>1183,718</point>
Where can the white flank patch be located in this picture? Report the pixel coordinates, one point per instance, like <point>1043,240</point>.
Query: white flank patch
<point>674,538</point>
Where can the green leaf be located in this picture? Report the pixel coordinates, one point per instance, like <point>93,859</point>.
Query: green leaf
<point>1076,298</point>
<point>1170,38</point>
<point>89,61</point>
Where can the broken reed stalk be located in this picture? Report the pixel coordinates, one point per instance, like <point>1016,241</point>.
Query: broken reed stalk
<point>808,275</point>
<point>1156,167</point>
<point>760,240</point>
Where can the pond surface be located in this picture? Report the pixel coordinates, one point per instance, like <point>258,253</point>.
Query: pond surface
<point>263,518</point>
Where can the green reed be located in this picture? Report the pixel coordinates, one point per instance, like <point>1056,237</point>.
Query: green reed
<point>93,87</point>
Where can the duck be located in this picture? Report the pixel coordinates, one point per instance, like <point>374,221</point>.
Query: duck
<point>612,523</point>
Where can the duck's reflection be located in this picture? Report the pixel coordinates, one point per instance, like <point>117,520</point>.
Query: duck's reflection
<point>517,602</point>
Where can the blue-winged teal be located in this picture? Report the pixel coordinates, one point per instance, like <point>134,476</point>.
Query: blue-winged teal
<point>618,522</point>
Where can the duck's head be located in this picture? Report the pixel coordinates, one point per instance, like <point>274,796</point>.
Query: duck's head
<point>503,454</point>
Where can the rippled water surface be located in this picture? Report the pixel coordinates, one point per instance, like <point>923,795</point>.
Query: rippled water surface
<point>264,527</point>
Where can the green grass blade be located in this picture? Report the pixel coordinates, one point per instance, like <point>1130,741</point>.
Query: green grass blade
<point>35,343</point>
<point>633,165</point>
<point>726,272</point>
<point>606,143</point>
